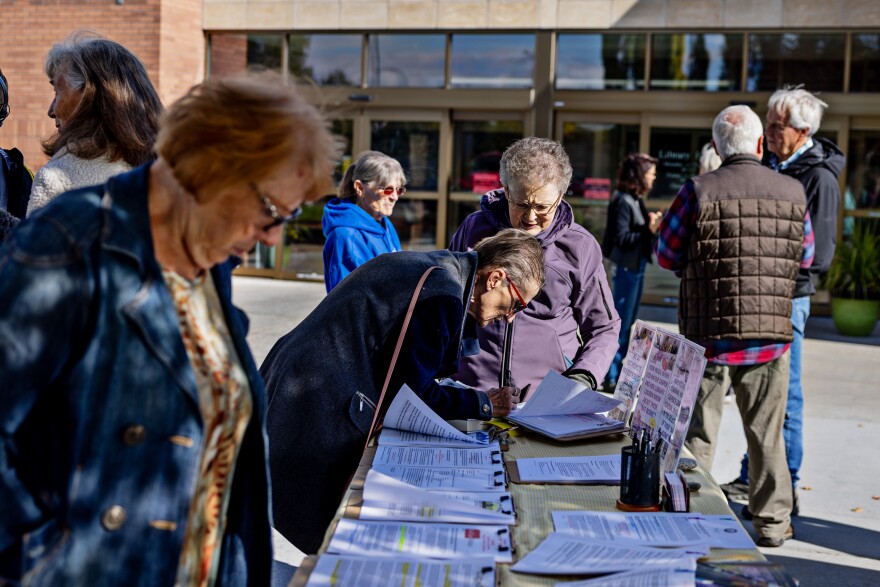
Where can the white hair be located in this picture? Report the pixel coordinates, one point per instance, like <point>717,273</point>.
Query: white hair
<point>709,159</point>
<point>798,107</point>
<point>736,131</point>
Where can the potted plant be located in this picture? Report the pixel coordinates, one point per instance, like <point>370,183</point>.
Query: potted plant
<point>854,282</point>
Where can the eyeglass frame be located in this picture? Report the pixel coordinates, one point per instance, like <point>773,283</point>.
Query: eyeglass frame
<point>384,191</point>
<point>526,207</point>
<point>514,310</point>
<point>271,209</point>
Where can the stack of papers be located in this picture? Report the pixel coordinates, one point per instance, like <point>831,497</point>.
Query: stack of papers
<point>601,470</point>
<point>335,569</point>
<point>563,409</point>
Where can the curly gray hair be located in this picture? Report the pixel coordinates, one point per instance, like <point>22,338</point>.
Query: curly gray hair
<point>534,162</point>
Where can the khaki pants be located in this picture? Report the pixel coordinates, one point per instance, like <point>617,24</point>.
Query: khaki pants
<point>761,392</point>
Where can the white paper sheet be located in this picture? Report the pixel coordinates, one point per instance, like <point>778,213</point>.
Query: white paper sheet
<point>563,554</point>
<point>394,437</point>
<point>654,529</point>
<point>568,425</point>
<point>683,575</point>
<point>409,412</point>
<point>361,538</point>
<point>386,498</point>
<point>447,478</point>
<point>559,395</point>
<point>603,470</point>
<point>341,570</point>
<point>658,375</point>
<point>410,456</point>
<point>633,371</point>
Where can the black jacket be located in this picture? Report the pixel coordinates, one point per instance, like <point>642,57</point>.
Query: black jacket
<point>818,170</point>
<point>627,239</point>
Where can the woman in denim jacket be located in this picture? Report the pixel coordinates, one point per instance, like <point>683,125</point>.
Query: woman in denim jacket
<point>132,429</point>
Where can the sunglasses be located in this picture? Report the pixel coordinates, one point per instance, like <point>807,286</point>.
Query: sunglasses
<point>272,210</point>
<point>519,304</point>
<point>389,190</point>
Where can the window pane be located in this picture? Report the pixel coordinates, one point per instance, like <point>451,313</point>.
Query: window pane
<point>865,67</point>
<point>493,61</point>
<point>416,224</point>
<point>595,151</point>
<point>678,154</point>
<point>790,59</point>
<point>477,150</point>
<point>329,60</point>
<point>863,170</point>
<point>345,130</point>
<point>264,51</point>
<point>415,144</point>
<point>416,61</point>
<point>600,62</point>
<point>696,62</point>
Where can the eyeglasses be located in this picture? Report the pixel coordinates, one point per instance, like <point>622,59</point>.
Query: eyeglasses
<point>539,209</point>
<point>387,191</point>
<point>519,304</point>
<point>272,210</point>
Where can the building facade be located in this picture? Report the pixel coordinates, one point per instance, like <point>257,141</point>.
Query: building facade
<point>445,85</point>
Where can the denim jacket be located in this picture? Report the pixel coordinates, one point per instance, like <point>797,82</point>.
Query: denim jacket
<point>100,428</point>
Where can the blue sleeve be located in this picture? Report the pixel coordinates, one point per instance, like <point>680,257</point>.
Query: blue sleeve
<point>342,256</point>
<point>46,294</point>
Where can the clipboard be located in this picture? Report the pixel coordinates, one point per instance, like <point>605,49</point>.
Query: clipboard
<point>355,502</point>
<point>514,477</point>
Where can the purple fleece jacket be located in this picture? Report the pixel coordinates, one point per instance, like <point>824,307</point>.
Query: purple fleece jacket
<point>575,297</point>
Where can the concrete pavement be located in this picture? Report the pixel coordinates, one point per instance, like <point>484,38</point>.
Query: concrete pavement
<point>838,532</point>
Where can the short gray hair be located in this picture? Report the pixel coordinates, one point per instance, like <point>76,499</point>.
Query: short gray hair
<point>736,131</point>
<point>370,167</point>
<point>515,251</point>
<point>800,108</point>
<point>534,162</point>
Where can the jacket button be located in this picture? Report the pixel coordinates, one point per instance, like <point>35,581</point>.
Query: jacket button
<point>133,434</point>
<point>487,409</point>
<point>113,518</point>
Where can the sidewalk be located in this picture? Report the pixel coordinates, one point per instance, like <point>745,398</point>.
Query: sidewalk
<point>838,531</point>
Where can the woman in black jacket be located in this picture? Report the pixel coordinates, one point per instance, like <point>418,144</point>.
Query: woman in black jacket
<point>628,242</point>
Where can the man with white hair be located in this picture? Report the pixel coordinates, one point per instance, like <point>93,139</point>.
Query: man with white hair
<point>793,117</point>
<point>737,237</point>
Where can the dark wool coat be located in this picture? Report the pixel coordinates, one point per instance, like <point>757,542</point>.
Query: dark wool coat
<point>323,376</point>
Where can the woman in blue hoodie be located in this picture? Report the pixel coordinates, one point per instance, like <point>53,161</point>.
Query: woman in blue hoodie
<point>356,223</point>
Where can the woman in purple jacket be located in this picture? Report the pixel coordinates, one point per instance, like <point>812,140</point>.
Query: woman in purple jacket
<point>571,326</point>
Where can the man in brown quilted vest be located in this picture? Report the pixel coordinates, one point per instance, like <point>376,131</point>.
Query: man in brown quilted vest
<point>737,237</point>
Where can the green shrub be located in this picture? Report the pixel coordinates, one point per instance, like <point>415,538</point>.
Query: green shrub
<point>855,271</point>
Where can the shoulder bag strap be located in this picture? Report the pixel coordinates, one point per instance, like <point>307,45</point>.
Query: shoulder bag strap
<point>409,313</point>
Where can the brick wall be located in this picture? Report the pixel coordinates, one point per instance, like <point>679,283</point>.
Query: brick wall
<point>172,53</point>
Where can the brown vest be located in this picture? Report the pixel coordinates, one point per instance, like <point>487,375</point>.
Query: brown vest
<point>744,253</point>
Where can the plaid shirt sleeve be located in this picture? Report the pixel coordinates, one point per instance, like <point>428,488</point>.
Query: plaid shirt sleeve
<point>675,230</point>
<point>809,243</point>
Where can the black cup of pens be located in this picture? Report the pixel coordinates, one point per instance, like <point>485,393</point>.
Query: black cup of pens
<point>639,477</point>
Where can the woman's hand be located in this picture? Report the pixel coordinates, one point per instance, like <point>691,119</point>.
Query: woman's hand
<point>503,399</point>
<point>654,219</point>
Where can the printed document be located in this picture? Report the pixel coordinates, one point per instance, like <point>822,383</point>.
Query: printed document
<point>654,529</point>
<point>604,470</point>
<point>682,575</point>
<point>338,570</point>
<point>437,457</point>
<point>409,412</point>
<point>394,437</point>
<point>630,380</point>
<point>562,554</point>
<point>562,408</point>
<point>447,478</point>
<point>386,539</point>
<point>385,498</point>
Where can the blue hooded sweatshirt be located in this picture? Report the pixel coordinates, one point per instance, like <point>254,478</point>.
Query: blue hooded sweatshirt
<point>353,238</point>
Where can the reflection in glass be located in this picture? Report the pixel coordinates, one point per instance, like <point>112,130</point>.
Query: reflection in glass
<point>595,151</point>
<point>329,60</point>
<point>416,224</point>
<point>477,149</point>
<point>776,60</point>
<point>600,62</point>
<point>865,65</point>
<point>264,51</point>
<point>344,129</point>
<point>416,145</point>
<point>415,61</point>
<point>863,170</point>
<point>492,61</point>
<point>678,153</point>
<point>710,63</point>
<point>457,212</point>
<point>228,54</point>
